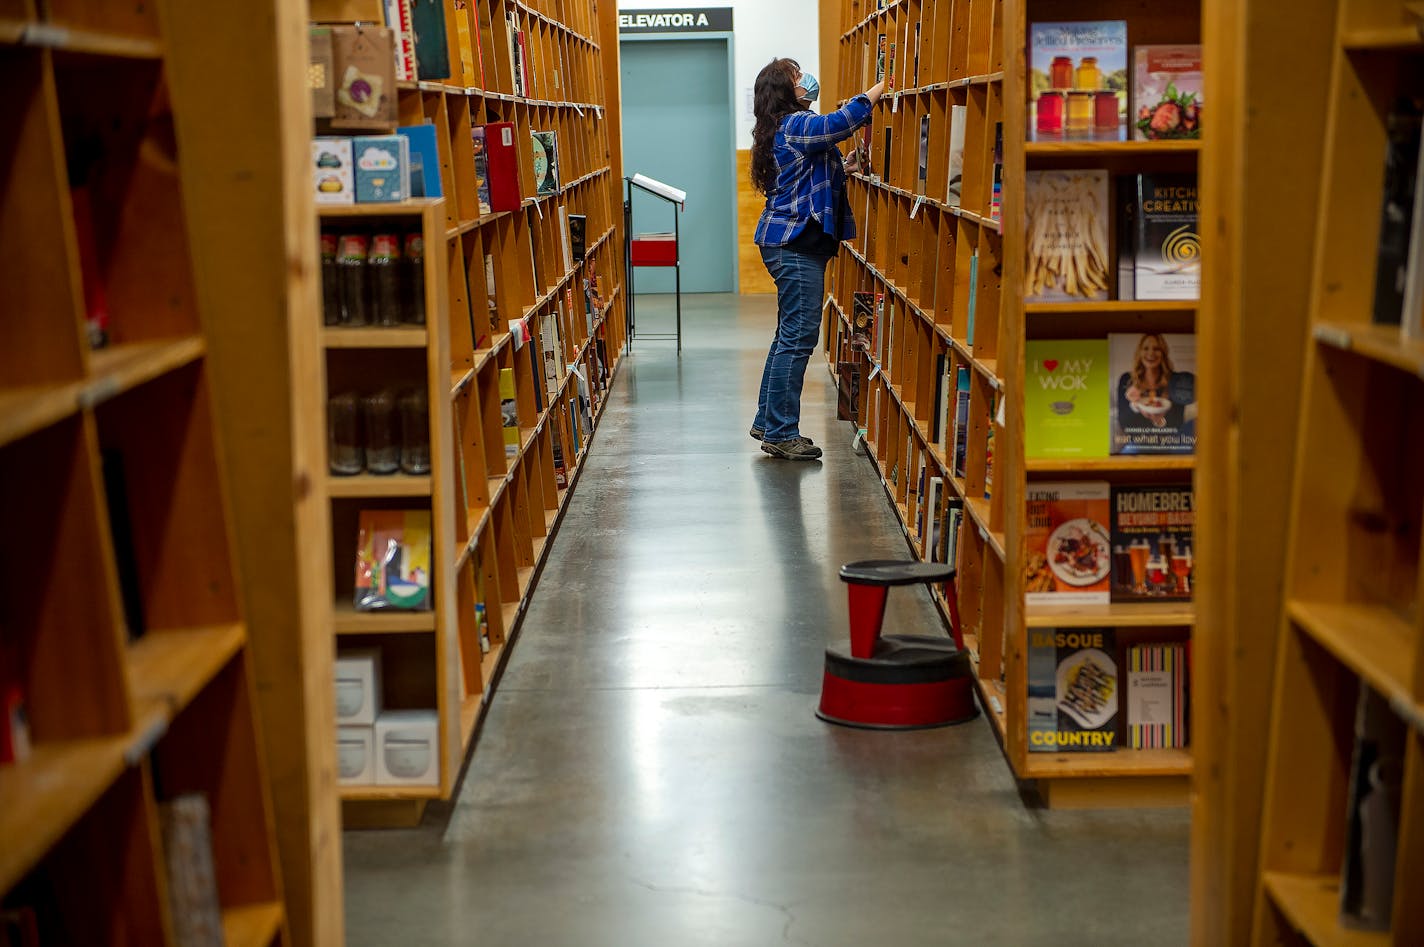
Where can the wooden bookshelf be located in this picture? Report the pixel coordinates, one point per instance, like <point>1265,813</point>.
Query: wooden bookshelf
<point>126,629</point>
<point>915,250</point>
<point>494,511</point>
<point>1343,546</point>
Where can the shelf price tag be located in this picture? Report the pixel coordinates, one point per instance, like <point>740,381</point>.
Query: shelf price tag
<point>999,415</point>
<point>874,371</point>
<point>895,103</point>
<point>539,206</point>
<point>579,109</point>
<point>915,207</point>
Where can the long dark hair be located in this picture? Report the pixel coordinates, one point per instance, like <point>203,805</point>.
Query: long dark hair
<point>774,99</point>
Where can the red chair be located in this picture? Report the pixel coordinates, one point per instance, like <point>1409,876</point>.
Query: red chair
<point>896,682</point>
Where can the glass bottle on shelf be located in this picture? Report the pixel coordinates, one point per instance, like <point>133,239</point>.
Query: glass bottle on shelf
<point>330,281</point>
<point>414,262</point>
<point>415,432</point>
<point>383,275</point>
<point>351,260</point>
<point>345,455</point>
<point>382,443</point>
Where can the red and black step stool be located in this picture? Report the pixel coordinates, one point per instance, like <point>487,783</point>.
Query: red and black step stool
<point>896,682</point>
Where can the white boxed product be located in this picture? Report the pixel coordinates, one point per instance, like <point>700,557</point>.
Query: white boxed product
<point>355,756</point>
<point>358,686</point>
<point>407,748</point>
<point>333,171</point>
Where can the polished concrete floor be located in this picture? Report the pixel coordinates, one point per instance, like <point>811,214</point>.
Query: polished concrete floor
<point>651,771</point>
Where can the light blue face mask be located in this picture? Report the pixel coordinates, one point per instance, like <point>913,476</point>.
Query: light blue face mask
<point>810,87</point>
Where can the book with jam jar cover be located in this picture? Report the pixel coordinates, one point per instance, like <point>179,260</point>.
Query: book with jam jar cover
<point>1078,80</point>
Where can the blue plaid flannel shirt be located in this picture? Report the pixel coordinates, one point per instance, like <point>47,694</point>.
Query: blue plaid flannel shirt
<point>810,179</point>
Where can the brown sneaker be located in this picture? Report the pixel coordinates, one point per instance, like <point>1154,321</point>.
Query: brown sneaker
<point>759,434</point>
<point>798,448</point>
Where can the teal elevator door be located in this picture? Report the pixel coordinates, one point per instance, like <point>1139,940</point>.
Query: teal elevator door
<point>677,128</point>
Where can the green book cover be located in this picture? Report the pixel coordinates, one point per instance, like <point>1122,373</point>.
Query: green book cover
<point>1066,398</point>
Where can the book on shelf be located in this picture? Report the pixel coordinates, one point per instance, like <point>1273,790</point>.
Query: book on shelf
<point>536,368</point>
<point>996,408</point>
<point>1165,237</point>
<point>398,21</point>
<point>922,178</point>
<point>1401,167</point>
<point>1078,80</point>
<point>1376,778</point>
<point>509,412</point>
<point>469,49</point>
<point>424,160</point>
<point>553,351</point>
<point>1072,690</point>
<point>1066,235</point>
<point>516,57</point>
<point>526,58</point>
<point>996,195</point>
<point>947,538</point>
<point>502,167</point>
<point>1167,92</point>
<point>848,390</point>
<point>185,826</point>
<point>546,162</point>
<point>1156,696</point>
<point>1153,407</point>
<point>382,165</point>
<point>972,303</point>
<point>943,384</point>
<point>1152,542</point>
<point>482,188</point>
<point>1124,219</point>
<point>1068,552</point>
<point>1066,391</point>
<point>566,239</point>
<point>578,236</point>
<point>958,121</point>
<point>432,50</point>
<point>862,320</point>
<point>885,158</point>
<point>393,560</point>
<point>959,432</point>
<point>1412,304</point>
<point>930,515</point>
<point>333,182</point>
<point>491,298</point>
<point>561,471</point>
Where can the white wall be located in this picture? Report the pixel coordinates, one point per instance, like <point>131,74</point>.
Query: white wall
<point>763,30</point>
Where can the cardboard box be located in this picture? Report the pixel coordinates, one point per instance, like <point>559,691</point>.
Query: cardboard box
<point>358,686</point>
<point>356,756</point>
<point>333,171</point>
<point>408,748</point>
<point>382,168</point>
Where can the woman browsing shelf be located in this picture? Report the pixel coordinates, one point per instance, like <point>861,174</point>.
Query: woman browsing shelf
<point>796,165</point>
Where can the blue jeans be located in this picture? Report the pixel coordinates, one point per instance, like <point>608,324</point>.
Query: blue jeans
<point>800,289</point>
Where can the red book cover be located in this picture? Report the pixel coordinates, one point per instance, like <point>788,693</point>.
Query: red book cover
<point>524,66</point>
<point>502,161</point>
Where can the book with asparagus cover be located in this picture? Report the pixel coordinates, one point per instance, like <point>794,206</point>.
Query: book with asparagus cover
<point>1067,236</point>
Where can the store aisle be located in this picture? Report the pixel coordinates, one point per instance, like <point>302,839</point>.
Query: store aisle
<point>651,771</point>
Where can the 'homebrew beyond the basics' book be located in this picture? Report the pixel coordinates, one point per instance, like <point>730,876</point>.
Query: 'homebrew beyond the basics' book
<point>1165,238</point>
<point>1068,556</point>
<point>1067,236</point>
<point>546,162</point>
<point>1166,92</point>
<point>1078,80</point>
<point>1153,397</point>
<point>393,560</point>
<point>1066,387</point>
<point>1152,542</point>
<point>1072,690</point>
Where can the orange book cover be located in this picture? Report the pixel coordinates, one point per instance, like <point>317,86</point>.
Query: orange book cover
<point>1068,559</point>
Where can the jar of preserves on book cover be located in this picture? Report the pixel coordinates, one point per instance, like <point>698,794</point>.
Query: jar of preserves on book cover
<point>1090,77</point>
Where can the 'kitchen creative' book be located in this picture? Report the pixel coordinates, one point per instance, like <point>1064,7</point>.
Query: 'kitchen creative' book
<point>1066,384</point>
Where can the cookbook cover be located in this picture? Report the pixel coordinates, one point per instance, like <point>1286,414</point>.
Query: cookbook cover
<point>1167,92</point>
<point>1068,556</point>
<point>1066,387</point>
<point>1072,690</point>
<point>1156,696</point>
<point>1078,80</point>
<point>1153,403</point>
<point>1166,240</point>
<point>1152,542</point>
<point>1066,236</point>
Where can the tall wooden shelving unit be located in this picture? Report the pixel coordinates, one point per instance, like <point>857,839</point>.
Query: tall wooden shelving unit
<point>493,515</point>
<point>1350,613</point>
<point>119,723</point>
<point>973,52</point>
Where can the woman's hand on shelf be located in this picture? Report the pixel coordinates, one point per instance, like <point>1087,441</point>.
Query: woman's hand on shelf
<point>875,92</point>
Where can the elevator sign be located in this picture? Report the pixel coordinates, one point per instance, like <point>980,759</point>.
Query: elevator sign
<point>677,20</point>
